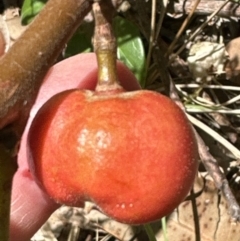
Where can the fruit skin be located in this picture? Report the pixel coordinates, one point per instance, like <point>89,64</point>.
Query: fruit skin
<point>131,153</point>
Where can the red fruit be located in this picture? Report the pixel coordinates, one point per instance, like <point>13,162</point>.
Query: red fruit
<point>131,153</point>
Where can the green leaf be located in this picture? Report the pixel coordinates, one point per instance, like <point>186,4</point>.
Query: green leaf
<point>150,232</point>
<point>130,47</point>
<point>30,9</point>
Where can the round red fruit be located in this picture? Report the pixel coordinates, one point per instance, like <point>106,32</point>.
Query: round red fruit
<point>131,153</point>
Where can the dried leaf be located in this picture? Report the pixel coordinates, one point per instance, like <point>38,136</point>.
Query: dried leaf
<point>206,58</point>
<point>233,65</point>
<point>212,219</point>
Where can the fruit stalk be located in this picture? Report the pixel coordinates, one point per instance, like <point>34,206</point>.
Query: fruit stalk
<point>105,46</point>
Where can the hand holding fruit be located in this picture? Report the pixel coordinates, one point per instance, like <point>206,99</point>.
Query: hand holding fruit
<point>132,153</point>
<point>28,200</point>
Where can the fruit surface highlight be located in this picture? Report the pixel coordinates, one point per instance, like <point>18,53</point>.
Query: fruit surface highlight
<point>132,153</point>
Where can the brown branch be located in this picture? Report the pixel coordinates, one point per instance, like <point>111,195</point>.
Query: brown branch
<point>205,7</point>
<point>23,67</point>
<point>211,165</point>
<point>182,28</point>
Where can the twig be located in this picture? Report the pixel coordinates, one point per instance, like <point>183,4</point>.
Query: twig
<point>219,179</point>
<point>164,4</point>
<point>193,35</point>
<point>195,216</point>
<point>150,232</point>
<point>211,165</point>
<point>205,7</point>
<point>180,31</point>
<point>152,33</point>
<point>142,17</point>
<point>193,109</point>
<point>216,136</point>
<point>160,60</point>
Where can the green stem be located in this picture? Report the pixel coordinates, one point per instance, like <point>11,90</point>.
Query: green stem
<point>164,228</point>
<point>105,46</point>
<point>150,232</point>
<point>107,74</point>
